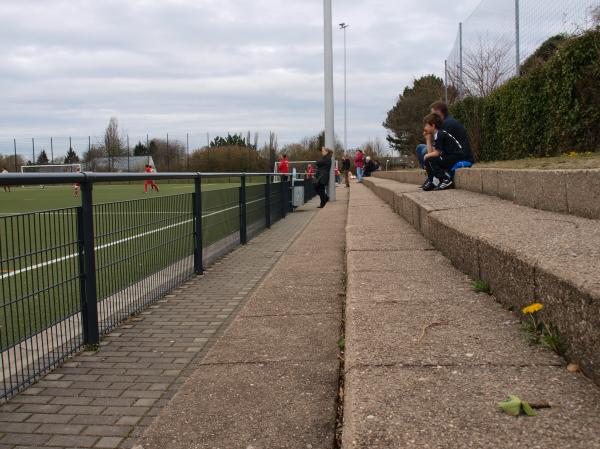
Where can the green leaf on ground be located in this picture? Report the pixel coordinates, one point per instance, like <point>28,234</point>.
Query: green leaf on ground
<point>527,409</point>
<point>514,406</point>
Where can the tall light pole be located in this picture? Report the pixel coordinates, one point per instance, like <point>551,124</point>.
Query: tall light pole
<point>329,119</point>
<point>517,39</point>
<point>343,27</point>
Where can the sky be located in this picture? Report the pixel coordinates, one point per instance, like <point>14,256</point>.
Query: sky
<point>209,66</point>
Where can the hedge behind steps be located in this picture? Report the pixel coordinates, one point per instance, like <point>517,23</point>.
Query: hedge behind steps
<point>553,109</point>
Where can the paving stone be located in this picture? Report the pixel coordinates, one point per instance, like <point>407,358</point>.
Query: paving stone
<point>94,420</point>
<point>129,420</point>
<point>54,418</point>
<point>101,431</point>
<point>60,429</point>
<point>24,439</point>
<point>14,417</point>
<point>39,408</point>
<point>83,409</point>
<point>109,442</point>
<point>78,441</point>
<point>14,427</point>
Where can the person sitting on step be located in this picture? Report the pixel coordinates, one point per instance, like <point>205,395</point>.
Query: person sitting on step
<point>443,151</point>
<point>451,125</point>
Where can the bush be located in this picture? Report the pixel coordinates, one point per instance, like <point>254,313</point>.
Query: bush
<point>554,108</point>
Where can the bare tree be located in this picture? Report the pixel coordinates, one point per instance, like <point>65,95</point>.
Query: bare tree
<point>113,145</point>
<point>485,67</point>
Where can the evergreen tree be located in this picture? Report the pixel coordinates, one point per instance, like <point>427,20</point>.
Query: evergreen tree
<point>140,149</point>
<point>405,119</point>
<point>71,157</point>
<point>42,158</point>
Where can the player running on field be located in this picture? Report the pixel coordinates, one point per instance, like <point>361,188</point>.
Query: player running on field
<point>6,188</point>
<point>77,186</point>
<point>149,182</point>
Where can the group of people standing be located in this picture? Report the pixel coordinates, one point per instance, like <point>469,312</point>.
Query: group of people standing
<point>364,165</point>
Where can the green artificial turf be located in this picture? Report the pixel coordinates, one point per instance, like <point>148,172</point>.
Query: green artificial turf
<point>136,235</point>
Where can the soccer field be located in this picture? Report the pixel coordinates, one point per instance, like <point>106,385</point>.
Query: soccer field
<point>35,198</point>
<point>137,236</point>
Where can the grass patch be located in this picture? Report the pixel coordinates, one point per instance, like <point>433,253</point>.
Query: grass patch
<point>570,161</point>
<point>481,286</point>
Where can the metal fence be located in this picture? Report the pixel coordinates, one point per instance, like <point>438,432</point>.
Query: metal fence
<point>68,276</point>
<point>19,149</point>
<point>493,42</point>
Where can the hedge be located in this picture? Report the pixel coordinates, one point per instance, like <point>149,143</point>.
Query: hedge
<point>555,108</point>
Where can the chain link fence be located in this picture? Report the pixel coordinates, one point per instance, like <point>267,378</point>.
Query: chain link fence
<point>499,35</point>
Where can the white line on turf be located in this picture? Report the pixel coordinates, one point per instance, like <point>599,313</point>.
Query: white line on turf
<point>116,242</point>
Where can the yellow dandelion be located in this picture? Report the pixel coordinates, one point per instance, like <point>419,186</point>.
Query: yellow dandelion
<point>532,308</point>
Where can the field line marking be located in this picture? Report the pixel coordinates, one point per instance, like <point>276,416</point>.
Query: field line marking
<point>116,242</point>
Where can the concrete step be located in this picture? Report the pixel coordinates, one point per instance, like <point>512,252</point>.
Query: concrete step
<point>427,359</point>
<point>271,380</point>
<point>573,192</point>
<point>526,255</point>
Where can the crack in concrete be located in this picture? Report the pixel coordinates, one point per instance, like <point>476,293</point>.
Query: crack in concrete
<point>450,365</point>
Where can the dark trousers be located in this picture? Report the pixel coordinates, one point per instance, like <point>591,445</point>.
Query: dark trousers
<point>321,192</point>
<point>439,167</point>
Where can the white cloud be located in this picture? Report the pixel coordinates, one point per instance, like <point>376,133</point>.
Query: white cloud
<point>194,66</point>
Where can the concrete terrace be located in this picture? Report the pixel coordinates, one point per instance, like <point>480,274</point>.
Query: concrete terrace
<point>247,355</point>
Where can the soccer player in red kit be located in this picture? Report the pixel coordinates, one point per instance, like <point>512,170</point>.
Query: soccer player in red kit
<point>149,182</point>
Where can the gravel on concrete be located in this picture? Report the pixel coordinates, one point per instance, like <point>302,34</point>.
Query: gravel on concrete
<point>271,381</point>
<point>428,359</point>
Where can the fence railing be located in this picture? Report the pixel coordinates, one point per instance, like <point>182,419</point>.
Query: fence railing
<point>69,276</point>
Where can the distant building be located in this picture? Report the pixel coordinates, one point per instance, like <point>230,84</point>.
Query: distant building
<point>120,164</point>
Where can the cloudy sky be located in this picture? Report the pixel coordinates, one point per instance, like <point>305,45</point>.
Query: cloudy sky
<point>198,66</point>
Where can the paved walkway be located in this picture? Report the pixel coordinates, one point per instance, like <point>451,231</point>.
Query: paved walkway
<point>106,399</point>
<point>271,381</point>
<point>428,359</point>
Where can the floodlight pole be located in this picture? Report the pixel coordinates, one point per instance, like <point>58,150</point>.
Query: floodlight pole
<point>343,27</point>
<point>517,39</point>
<point>329,113</point>
<point>460,69</point>
<point>446,80</point>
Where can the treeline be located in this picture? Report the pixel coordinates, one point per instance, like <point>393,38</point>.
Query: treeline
<point>552,108</point>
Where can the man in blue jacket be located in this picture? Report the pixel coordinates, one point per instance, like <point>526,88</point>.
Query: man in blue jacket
<point>453,127</point>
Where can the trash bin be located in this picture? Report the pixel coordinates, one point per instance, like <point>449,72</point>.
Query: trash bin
<point>298,196</point>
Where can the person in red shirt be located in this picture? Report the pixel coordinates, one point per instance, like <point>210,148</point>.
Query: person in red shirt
<point>337,175</point>
<point>359,163</point>
<point>149,182</point>
<point>77,185</point>
<point>310,172</point>
<point>284,167</point>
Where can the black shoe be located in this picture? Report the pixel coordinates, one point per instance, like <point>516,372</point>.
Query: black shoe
<point>428,186</point>
<point>326,201</point>
<point>445,183</point>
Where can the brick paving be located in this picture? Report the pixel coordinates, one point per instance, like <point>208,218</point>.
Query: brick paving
<point>105,399</point>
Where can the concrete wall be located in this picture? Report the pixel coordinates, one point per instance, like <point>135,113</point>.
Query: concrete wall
<point>574,192</point>
<point>524,257</point>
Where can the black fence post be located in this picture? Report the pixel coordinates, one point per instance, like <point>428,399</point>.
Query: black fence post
<point>268,203</point>
<point>198,248</point>
<point>283,196</point>
<point>243,224</point>
<point>89,300</point>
